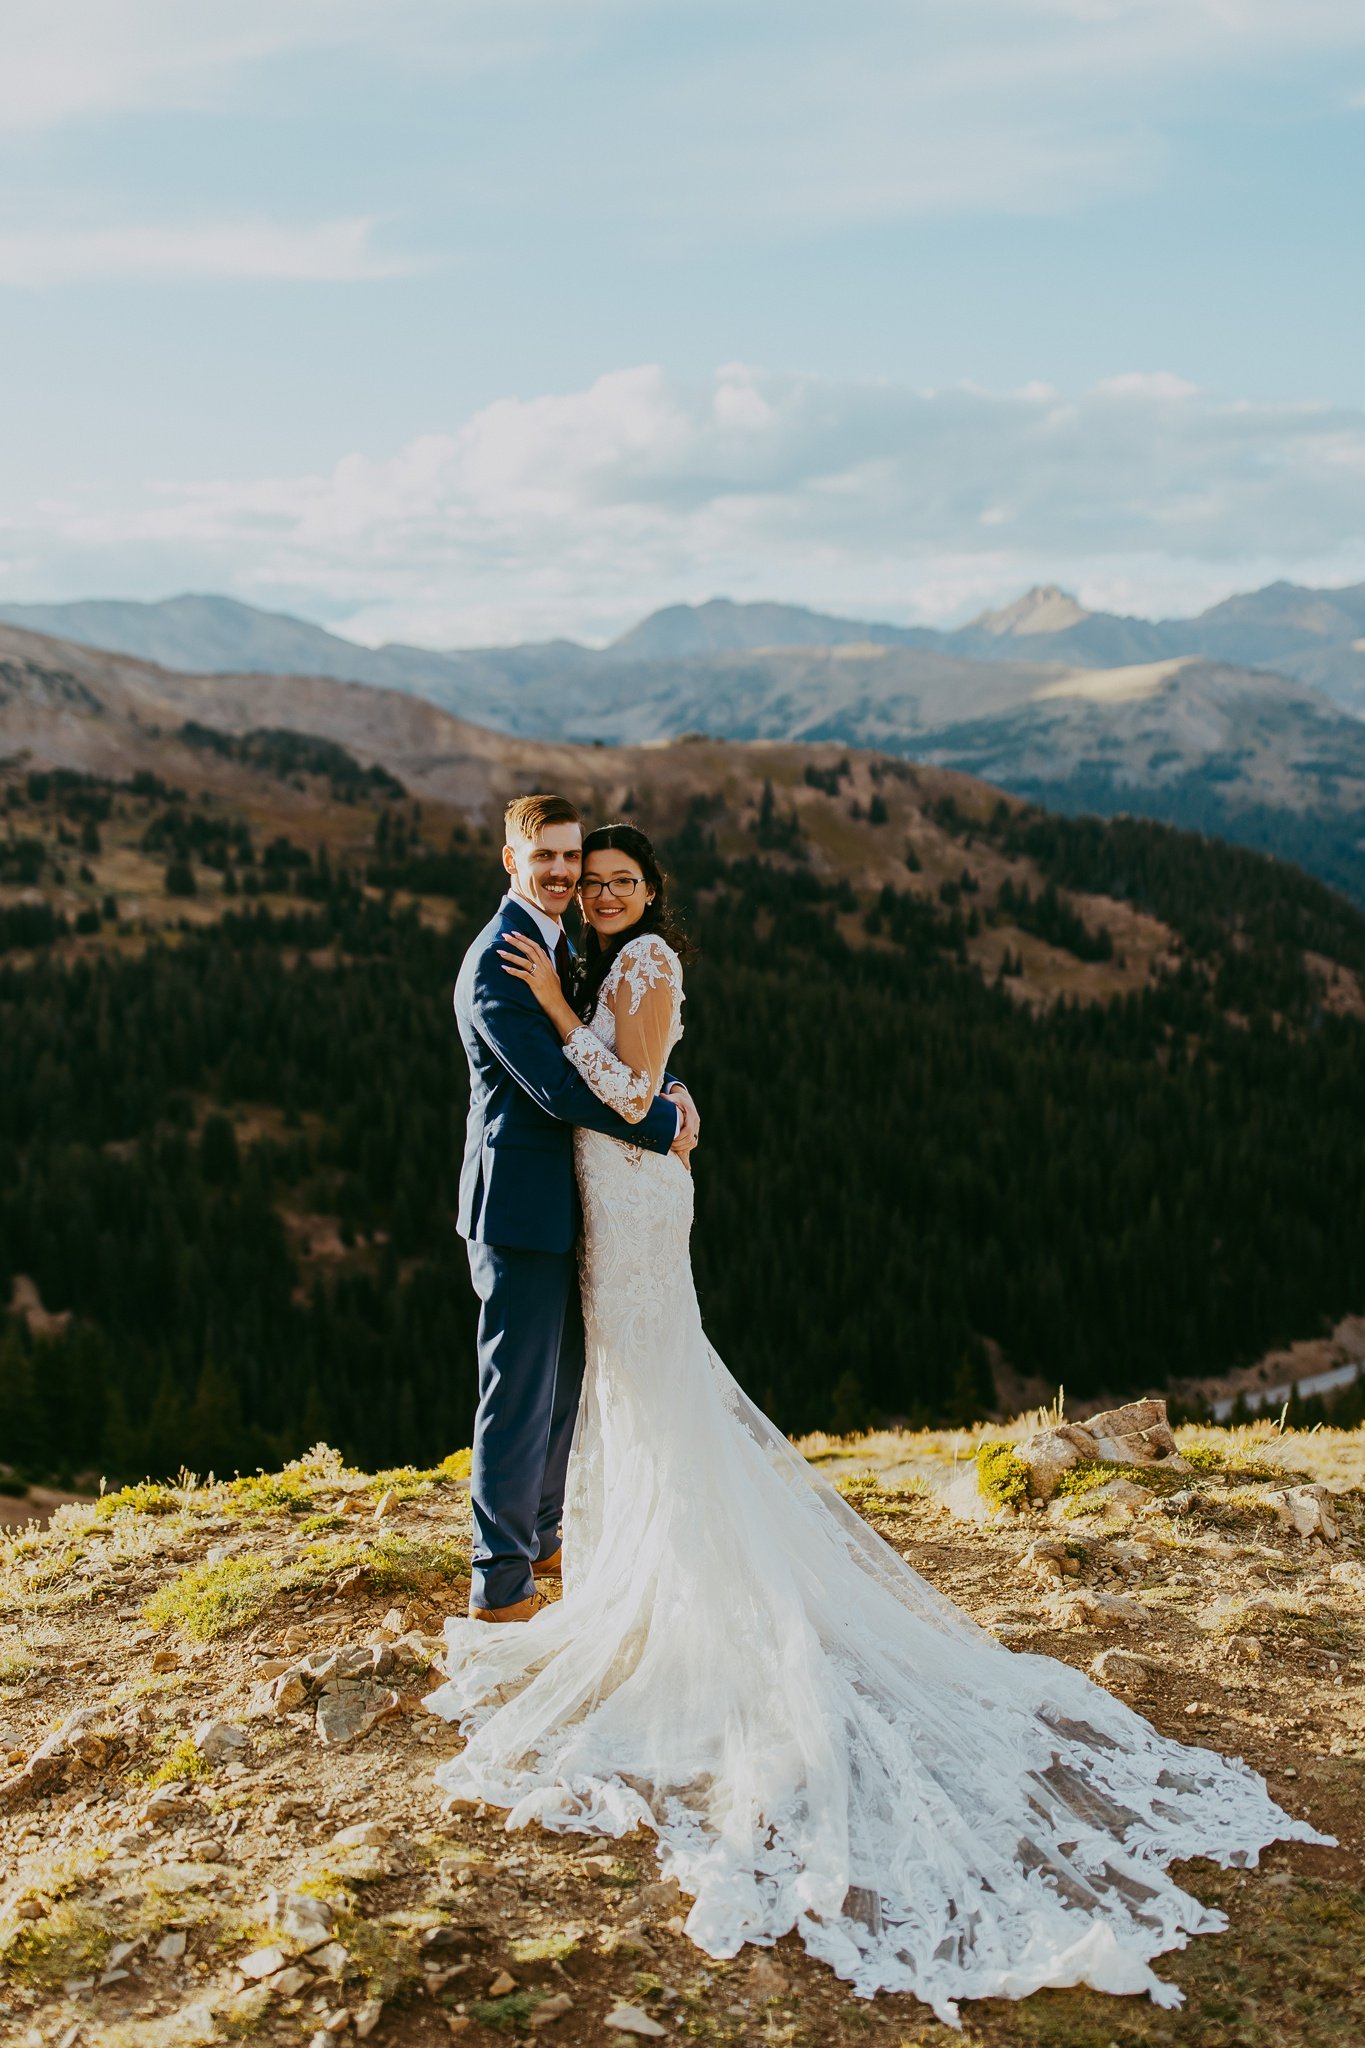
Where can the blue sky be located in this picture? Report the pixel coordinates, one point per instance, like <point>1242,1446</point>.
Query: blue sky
<point>461,322</point>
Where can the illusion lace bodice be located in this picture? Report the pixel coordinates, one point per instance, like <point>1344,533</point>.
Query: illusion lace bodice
<point>817,1739</point>
<point>637,1020</point>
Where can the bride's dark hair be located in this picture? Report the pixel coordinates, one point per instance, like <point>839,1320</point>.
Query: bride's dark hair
<point>659,917</point>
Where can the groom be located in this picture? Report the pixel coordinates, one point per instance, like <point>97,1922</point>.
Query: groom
<point>519,1214</point>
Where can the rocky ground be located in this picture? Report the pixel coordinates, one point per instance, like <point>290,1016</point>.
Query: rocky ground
<point>219,1819</point>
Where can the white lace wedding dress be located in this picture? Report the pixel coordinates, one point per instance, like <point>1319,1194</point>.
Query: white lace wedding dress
<point>817,1738</point>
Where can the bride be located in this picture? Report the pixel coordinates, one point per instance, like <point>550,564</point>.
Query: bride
<point>817,1738</point>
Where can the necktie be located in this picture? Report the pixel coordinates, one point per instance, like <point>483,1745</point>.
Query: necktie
<point>564,966</point>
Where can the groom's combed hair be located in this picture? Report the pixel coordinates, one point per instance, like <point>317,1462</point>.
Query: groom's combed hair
<point>527,816</point>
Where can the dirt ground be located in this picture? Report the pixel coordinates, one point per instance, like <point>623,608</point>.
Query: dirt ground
<point>156,1853</point>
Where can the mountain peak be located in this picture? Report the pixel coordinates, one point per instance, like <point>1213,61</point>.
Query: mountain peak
<point>1044,609</point>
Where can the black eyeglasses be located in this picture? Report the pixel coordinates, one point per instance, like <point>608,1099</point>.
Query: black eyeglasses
<point>619,885</point>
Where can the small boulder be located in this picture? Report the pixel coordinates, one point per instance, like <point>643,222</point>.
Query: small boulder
<point>1121,1667</point>
<point>218,1741</point>
<point>170,1803</point>
<point>628,2019</point>
<point>291,1981</point>
<point>1138,1433</point>
<point>503,1985</point>
<point>1086,1609</point>
<point>444,1944</point>
<point>367,2017</point>
<point>262,1963</point>
<point>1048,1454</point>
<point>1307,1510</point>
<point>551,2010</point>
<point>1118,1493</point>
<point>349,1707</point>
<point>365,1834</point>
<point>1243,1649</point>
<point>306,1921</point>
<point>1045,1561</point>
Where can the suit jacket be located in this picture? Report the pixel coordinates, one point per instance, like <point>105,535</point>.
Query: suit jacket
<point>517,1181</point>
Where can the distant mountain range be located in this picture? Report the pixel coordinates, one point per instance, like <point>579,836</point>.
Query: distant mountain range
<point>1247,722</point>
<point>1315,636</point>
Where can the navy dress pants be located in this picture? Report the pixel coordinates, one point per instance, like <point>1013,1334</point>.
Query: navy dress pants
<point>530,1375</point>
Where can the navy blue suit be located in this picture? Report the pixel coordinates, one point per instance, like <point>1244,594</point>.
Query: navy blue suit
<point>518,1212</point>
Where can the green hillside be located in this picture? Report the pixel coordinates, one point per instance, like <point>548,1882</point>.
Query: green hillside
<point>229,1153</point>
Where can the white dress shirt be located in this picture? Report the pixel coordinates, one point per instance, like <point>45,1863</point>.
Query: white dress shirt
<point>550,928</point>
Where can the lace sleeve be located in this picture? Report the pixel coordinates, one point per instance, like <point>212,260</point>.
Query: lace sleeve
<point>646,993</point>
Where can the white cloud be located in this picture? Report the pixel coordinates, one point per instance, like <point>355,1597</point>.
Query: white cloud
<point>327,250</point>
<point>735,112</point>
<point>65,60</point>
<point>68,58</point>
<point>578,511</point>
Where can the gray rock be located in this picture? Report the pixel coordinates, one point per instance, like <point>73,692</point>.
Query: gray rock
<point>628,2019</point>
<point>1086,1609</point>
<point>263,1962</point>
<point>442,1944</point>
<point>365,1834</point>
<point>1118,1667</point>
<point>1307,1510</point>
<point>304,1920</point>
<point>367,2017</point>
<point>348,1708</point>
<point>288,1983</point>
<point>1138,1433</point>
<point>289,1691</point>
<point>218,1741</point>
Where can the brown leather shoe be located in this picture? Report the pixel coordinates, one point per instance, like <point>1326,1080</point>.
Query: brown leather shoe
<point>548,1567</point>
<point>520,1610</point>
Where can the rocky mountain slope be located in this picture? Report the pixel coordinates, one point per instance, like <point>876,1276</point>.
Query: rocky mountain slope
<point>1231,751</point>
<point>1244,722</point>
<point>216,1769</point>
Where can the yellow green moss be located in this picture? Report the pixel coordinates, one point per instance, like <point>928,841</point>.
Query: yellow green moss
<point>1089,1473</point>
<point>506,2013</point>
<point>181,1764</point>
<point>71,1941</point>
<point>17,1665</point>
<point>146,1498</point>
<point>272,1493</point>
<point>210,1600</point>
<point>1001,1475</point>
<point>388,1562</point>
<point>1202,1457</point>
<point>385,1955</point>
<point>544,1948</point>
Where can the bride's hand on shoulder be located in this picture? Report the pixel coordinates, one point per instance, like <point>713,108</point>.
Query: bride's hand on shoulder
<point>526,961</point>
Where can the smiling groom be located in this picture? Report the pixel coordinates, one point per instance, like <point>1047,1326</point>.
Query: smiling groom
<point>518,1213</point>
